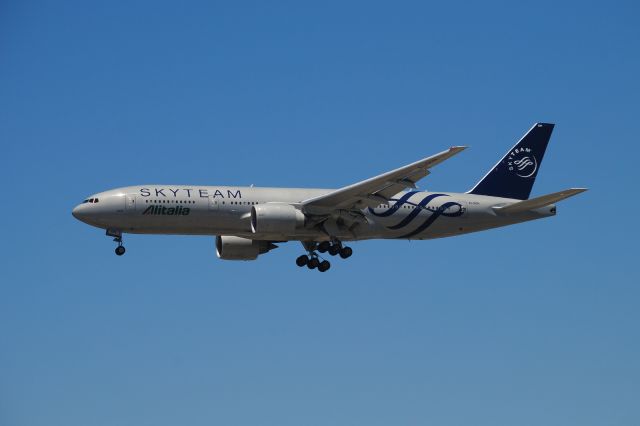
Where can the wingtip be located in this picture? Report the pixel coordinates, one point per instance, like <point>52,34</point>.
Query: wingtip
<point>459,147</point>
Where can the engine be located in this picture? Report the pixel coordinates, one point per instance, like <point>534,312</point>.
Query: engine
<point>275,219</point>
<point>238,248</point>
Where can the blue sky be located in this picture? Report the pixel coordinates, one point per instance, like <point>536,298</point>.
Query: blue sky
<point>532,324</point>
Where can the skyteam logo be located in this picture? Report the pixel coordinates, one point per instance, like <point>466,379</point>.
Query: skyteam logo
<point>522,162</point>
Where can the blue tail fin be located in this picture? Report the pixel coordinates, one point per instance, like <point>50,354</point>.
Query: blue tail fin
<point>514,175</point>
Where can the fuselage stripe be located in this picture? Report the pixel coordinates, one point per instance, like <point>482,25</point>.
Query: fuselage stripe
<point>419,207</point>
<point>400,201</point>
<point>435,215</point>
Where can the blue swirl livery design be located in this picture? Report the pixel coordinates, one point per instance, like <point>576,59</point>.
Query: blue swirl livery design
<point>420,213</point>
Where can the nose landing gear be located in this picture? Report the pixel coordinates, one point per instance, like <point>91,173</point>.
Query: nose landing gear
<point>117,237</point>
<point>120,250</point>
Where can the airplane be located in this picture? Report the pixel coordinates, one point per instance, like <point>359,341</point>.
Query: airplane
<point>250,221</point>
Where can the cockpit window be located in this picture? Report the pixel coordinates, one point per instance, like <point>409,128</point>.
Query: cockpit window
<point>95,201</point>
<point>85,201</point>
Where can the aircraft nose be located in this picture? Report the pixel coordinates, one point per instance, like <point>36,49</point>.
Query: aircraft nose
<point>79,212</point>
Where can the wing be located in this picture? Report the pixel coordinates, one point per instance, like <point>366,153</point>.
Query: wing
<point>378,189</point>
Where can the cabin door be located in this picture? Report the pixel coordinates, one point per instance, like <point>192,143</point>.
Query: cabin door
<point>214,203</point>
<point>130,203</point>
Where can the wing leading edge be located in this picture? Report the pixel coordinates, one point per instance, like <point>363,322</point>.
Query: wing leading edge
<point>373,191</point>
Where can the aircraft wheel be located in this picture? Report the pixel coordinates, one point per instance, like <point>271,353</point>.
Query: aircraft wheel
<point>324,266</point>
<point>313,263</point>
<point>324,246</point>
<point>120,250</point>
<point>333,250</point>
<point>346,252</point>
<point>302,260</point>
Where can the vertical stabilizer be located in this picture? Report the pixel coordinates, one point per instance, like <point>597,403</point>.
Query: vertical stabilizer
<point>514,175</point>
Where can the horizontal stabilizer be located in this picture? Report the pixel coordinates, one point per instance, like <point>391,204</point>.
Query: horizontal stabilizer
<point>536,203</point>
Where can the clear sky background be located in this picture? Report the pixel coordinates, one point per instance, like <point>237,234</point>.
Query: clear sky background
<point>532,324</point>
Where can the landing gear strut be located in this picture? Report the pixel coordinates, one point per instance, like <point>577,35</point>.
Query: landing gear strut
<point>313,260</point>
<point>117,237</point>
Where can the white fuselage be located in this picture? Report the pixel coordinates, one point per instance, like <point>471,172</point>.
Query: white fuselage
<point>226,210</point>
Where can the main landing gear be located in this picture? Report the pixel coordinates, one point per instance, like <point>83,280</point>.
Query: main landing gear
<point>335,247</point>
<point>118,239</point>
<point>312,260</point>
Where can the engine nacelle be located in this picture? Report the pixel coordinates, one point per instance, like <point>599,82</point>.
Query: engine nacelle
<point>275,219</point>
<point>238,248</point>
